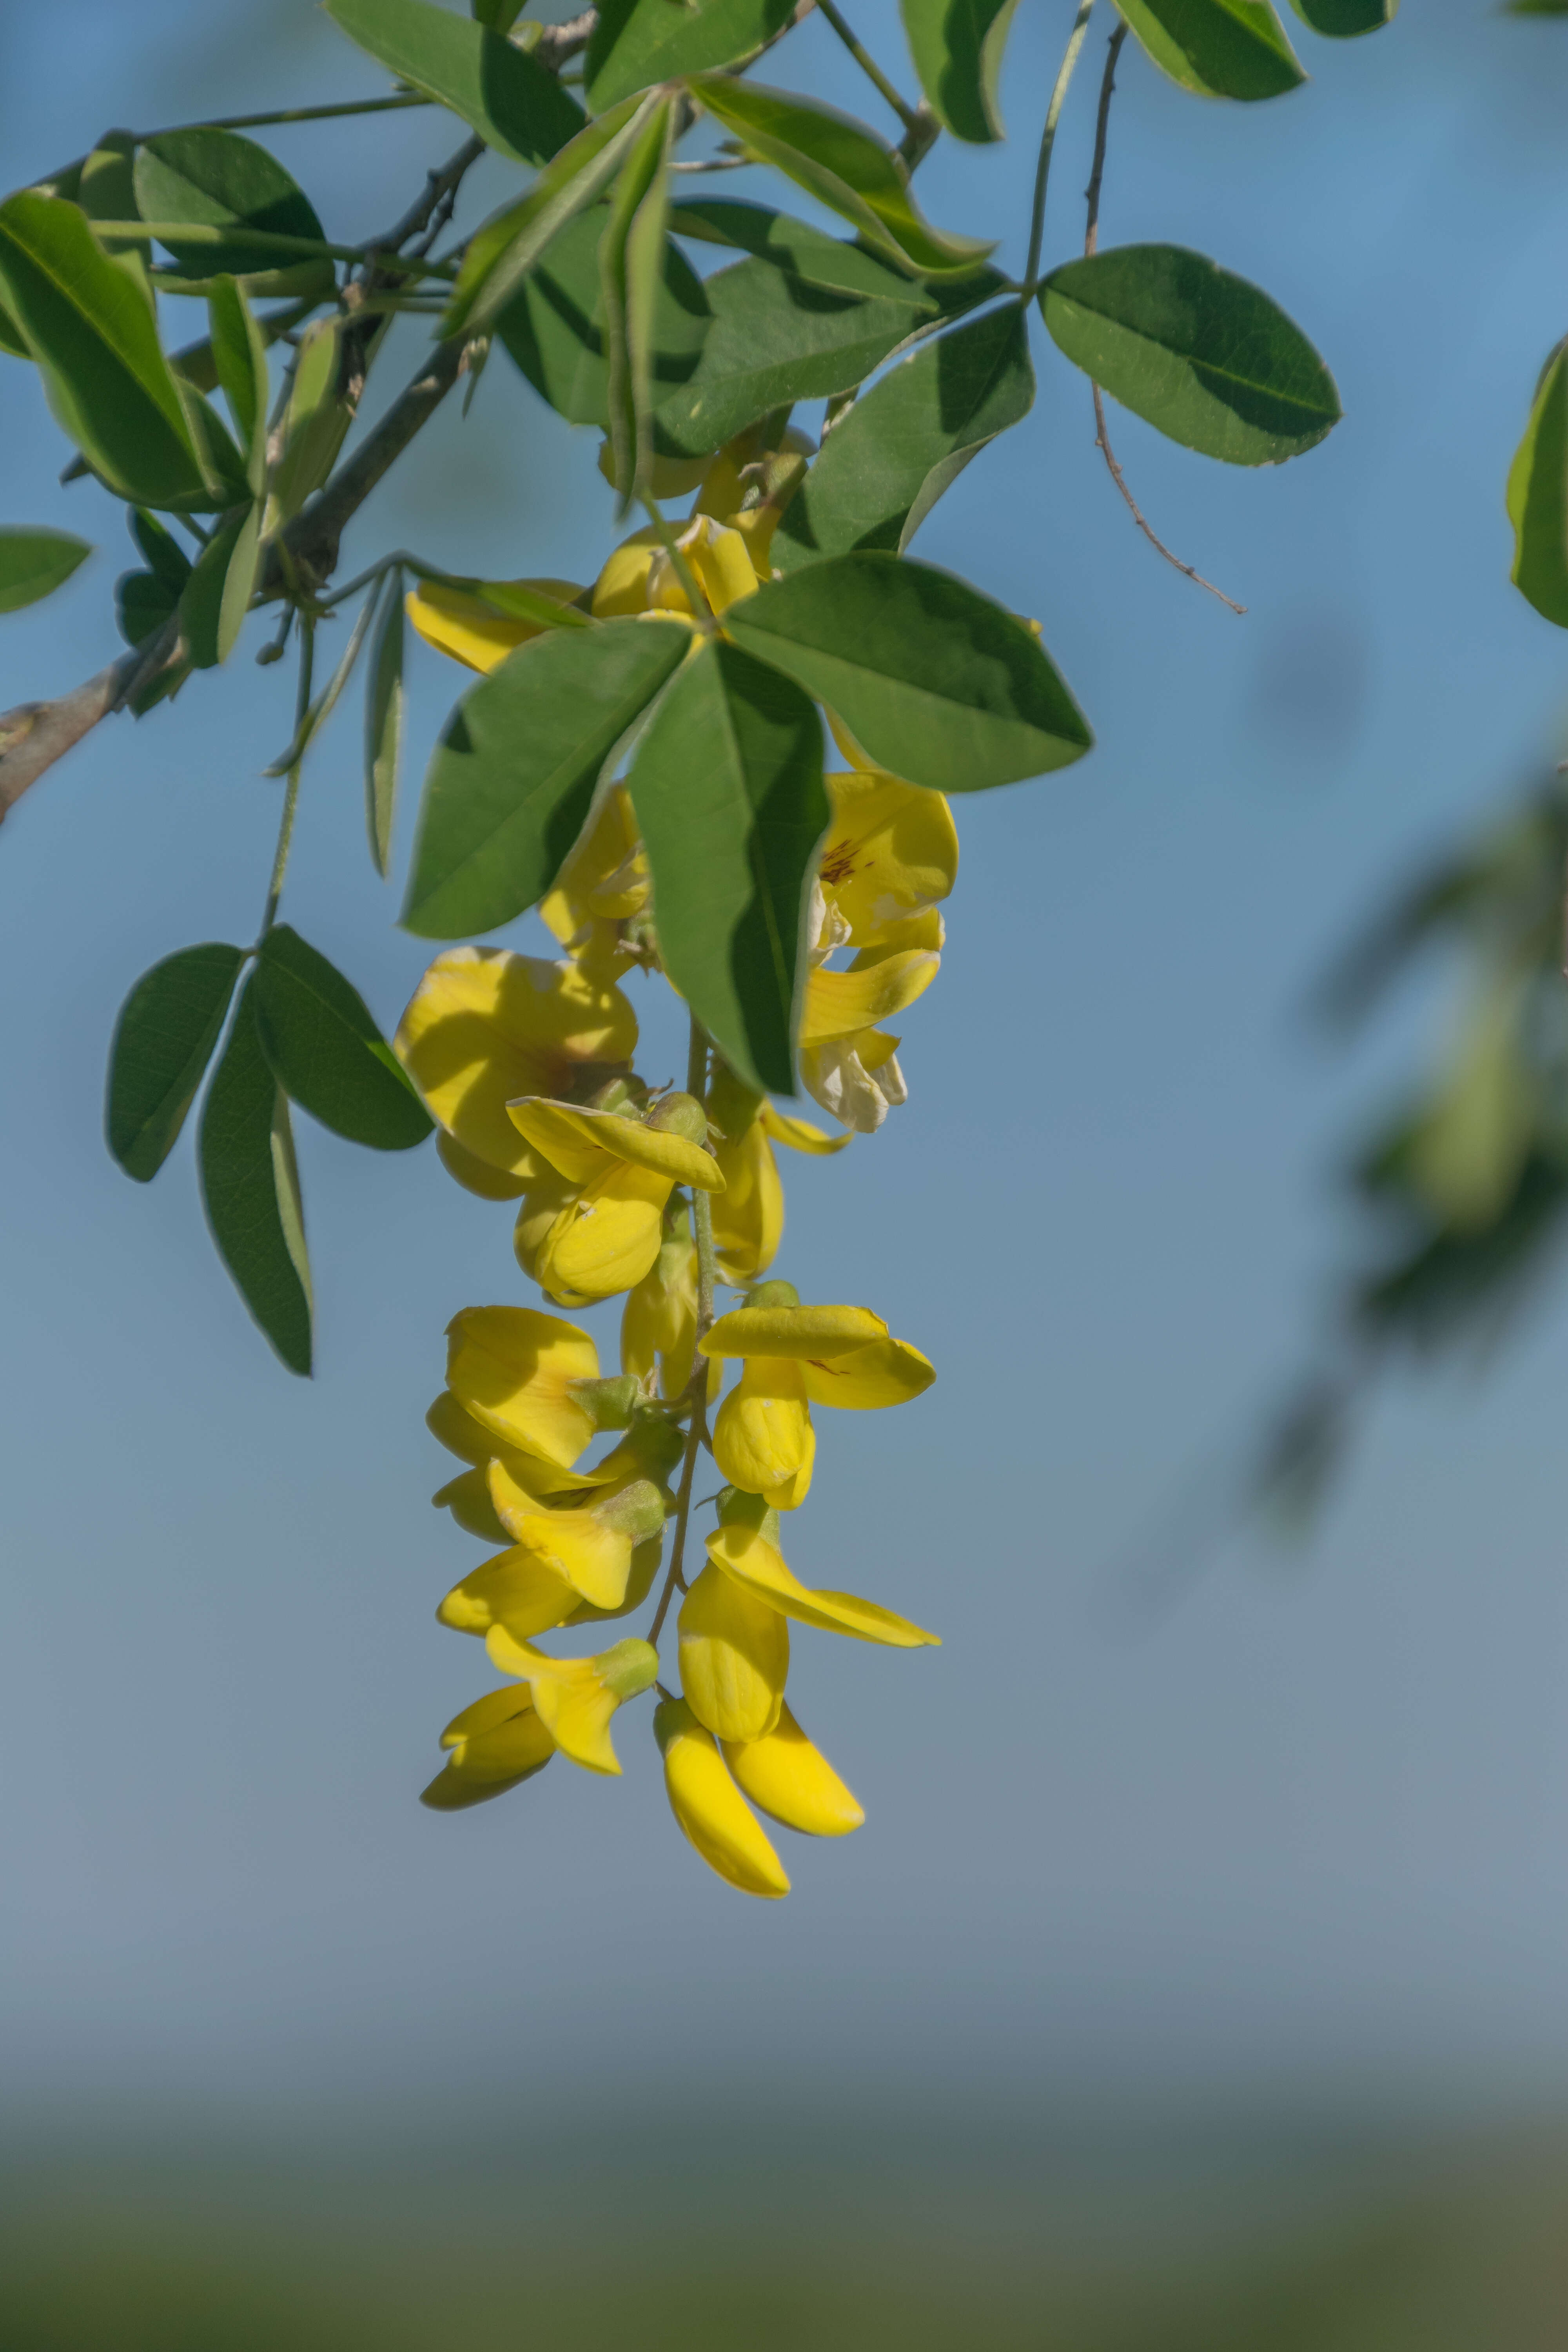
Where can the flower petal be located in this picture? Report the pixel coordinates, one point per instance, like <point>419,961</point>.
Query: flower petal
<point>458,622</point>
<point>734,1657</point>
<point>842,1004</point>
<point>887,1371</point>
<point>754,1563</point>
<point>520,1588</point>
<point>575,1141</point>
<point>762,1438</point>
<point>792,1331</point>
<point>710,1809</point>
<point>785,1776</point>
<point>799,1133</point>
<point>512,1370</point>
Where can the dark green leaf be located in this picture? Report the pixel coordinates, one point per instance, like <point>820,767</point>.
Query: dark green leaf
<point>327,701</point>
<point>96,343</point>
<point>12,341</point>
<point>142,603</point>
<point>838,161</point>
<point>809,253</point>
<point>315,421</point>
<point>517,106</point>
<point>509,786</point>
<point>554,327</point>
<point>957,47</point>
<point>1205,357</point>
<point>935,683</point>
<point>1344,20</point>
<point>240,362</point>
<point>196,363</point>
<point>34,564</point>
<point>216,179</point>
<point>106,191</point>
<point>251,1187</point>
<point>1222,48</point>
<point>636,42</point>
<point>163,551</point>
<point>630,254</point>
<point>1538,497</point>
<point>325,1049</point>
<point>163,1041</point>
<point>504,249</point>
<point>217,594</point>
<point>384,707</point>
<point>730,800</point>
<point>884,466</point>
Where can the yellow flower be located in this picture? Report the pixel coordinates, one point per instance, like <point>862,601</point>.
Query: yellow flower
<point>786,1777</point>
<point>846,1062</point>
<point>710,1808</point>
<point>892,851</point>
<point>762,1438</point>
<point>748,487</point>
<point>603,884</point>
<point>459,622</point>
<point>734,1657</point>
<point>485,1025</point>
<point>576,1698</point>
<point>526,1378</point>
<point>844,1354</point>
<point>497,1742</point>
<point>559,1561</point>
<point>468,1496</point>
<point>641,578</point>
<point>745,1551</point>
<point>658,1323</point>
<point>616,1174</point>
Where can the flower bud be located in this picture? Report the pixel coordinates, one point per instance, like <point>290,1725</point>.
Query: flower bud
<point>773,1294</point>
<point>679,1114</point>
<point>739,1509</point>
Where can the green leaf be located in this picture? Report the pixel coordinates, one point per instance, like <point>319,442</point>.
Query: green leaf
<point>34,564</point>
<point>383,717</point>
<point>106,191</point>
<point>1345,20</point>
<point>630,254</point>
<point>217,179</point>
<point>775,338</point>
<point>315,422</point>
<point>217,594</point>
<point>728,790</point>
<point>885,464</point>
<point>142,603</point>
<point>163,551</point>
<point>1221,49</point>
<point>250,1189</point>
<point>1205,357</point>
<point>509,786</point>
<point>239,362</point>
<point>553,329</point>
<point>636,42</point>
<point>517,106</point>
<point>505,248</point>
<point>838,161</point>
<point>163,1041</point>
<point>1538,497</point>
<point>96,342</point>
<point>196,363</point>
<point>810,252</point>
<point>936,683</point>
<point>325,1049</point>
<point>957,47</point>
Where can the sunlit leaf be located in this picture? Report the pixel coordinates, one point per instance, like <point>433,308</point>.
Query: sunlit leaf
<point>1222,48</point>
<point>219,179</point>
<point>638,42</point>
<point>326,1051</point>
<point>517,106</point>
<point>34,564</point>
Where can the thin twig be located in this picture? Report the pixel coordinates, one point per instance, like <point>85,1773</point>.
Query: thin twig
<point>1048,141</point>
<point>867,62</point>
<point>1090,244</point>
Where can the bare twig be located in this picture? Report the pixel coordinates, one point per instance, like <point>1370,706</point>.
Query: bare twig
<point>1090,242</point>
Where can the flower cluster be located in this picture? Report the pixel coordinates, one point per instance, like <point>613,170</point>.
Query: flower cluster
<point>657,1197</point>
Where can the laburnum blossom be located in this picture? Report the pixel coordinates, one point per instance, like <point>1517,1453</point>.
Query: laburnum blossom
<point>595,1224</point>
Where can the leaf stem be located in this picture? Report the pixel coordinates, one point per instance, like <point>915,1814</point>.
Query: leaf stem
<point>1048,140</point>
<point>293,114</point>
<point>263,241</point>
<point>696,1387</point>
<point>292,789</point>
<point>867,62</point>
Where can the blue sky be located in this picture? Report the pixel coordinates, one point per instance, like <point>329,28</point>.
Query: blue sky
<point>1311,1825</point>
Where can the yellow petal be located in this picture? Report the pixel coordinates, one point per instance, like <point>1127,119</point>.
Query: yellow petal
<point>925,930</point>
<point>710,1809</point>
<point>889,1371</point>
<point>594,1559</point>
<point>734,1657</point>
<point>890,851</point>
<point>511,1499</point>
<point>792,1331</point>
<point>622,586</point>
<point>658,1323</point>
<point>458,622</point>
<point>786,1777</point>
<point>606,878</point>
<point>576,1698</point>
<point>841,1004</point>
<point>575,1141</point>
<point>512,1370</point>
<point>646,1560</point>
<point>671,477</point>
<point>718,557</point>
<point>799,1133</point>
<point>756,1564</point>
<point>748,1215</point>
<point>495,1744</point>
<point>762,1438</point>
<point>606,1237</point>
<point>485,1026</point>
<point>488,1713</point>
<point>519,1589</point>
<point>479,1176</point>
<point>463,1436</point>
<point>468,1498</point>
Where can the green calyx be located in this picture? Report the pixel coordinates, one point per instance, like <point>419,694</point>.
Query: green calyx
<point>680,1115</point>
<point>739,1509</point>
<point>630,1667</point>
<point>637,1510</point>
<point>609,1402</point>
<point>773,1294</point>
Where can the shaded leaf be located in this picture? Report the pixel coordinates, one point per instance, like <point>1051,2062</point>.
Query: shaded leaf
<point>240,364</point>
<point>165,556</point>
<point>630,252</point>
<point>218,179</point>
<point>217,594</point>
<point>163,1041</point>
<point>884,466</point>
<point>728,790</point>
<point>553,329</point>
<point>517,106</point>
<point>326,1051</point>
<point>383,716</point>
<point>636,42</point>
<point>509,786</point>
<point>142,603</point>
<point>250,1190</point>
<point>96,344</point>
<point>935,683</point>
<point>1345,20</point>
<point>1201,355</point>
<point>957,47</point>
<point>315,422</point>
<point>34,564</point>
<point>842,164</point>
<point>1538,497</point>
<point>1222,48</point>
<point>327,701</point>
<point>805,252</point>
